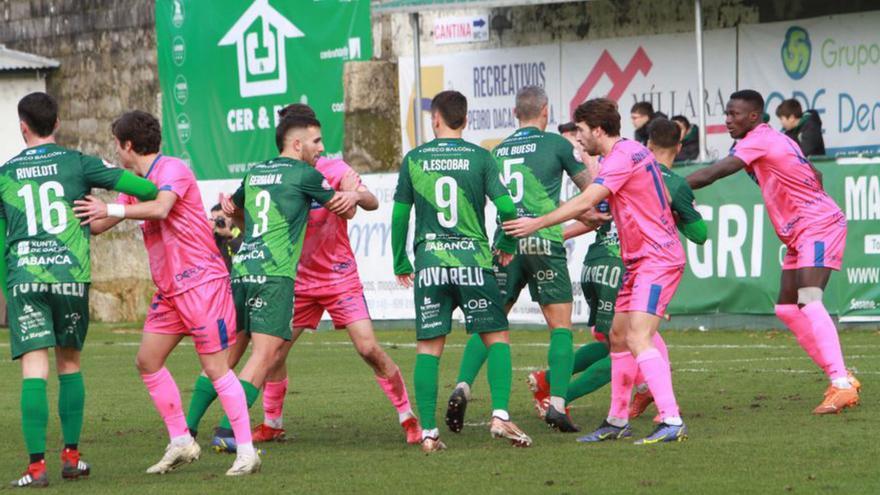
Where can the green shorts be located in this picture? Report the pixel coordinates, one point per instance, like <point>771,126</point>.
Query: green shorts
<point>47,315</point>
<point>439,290</point>
<point>600,280</point>
<point>264,305</point>
<point>542,265</point>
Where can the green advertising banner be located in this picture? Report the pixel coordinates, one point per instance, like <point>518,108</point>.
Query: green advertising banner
<point>737,270</point>
<point>226,67</point>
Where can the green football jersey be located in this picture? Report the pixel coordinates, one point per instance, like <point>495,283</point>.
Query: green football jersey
<point>45,242</point>
<point>531,163</point>
<point>277,197</point>
<point>448,180</point>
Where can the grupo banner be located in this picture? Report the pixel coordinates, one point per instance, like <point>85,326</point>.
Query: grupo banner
<point>735,272</point>
<point>830,64</point>
<point>226,67</point>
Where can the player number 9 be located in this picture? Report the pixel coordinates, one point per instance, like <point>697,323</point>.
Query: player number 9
<point>446,194</point>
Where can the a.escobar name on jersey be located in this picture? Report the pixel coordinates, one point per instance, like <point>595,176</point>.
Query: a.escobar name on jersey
<point>464,276</point>
<point>445,164</point>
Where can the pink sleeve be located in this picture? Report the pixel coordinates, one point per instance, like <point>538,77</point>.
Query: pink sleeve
<point>616,170</point>
<point>749,149</point>
<point>124,199</point>
<point>175,176</point>
<point>339,172</point>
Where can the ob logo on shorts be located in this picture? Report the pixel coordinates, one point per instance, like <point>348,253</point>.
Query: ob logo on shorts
<point>474,304</point>
<point>256,303</point>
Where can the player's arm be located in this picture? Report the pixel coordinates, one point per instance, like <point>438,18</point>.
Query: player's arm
<point>99,173</point>
<point>688,220</point>
<point>576,229</point>
<point>718,170</point>
<point>506,211</point>
<point>500,196</point>
<point>404,197</point>
<point>138,187</point>
<point>351,181</point>
<point>3,267</point>
<point>577,206</point>
<point>93,208</point>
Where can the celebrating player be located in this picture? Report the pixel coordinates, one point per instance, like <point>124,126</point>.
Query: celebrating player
<point>327,280</point>
<point>193,294</point>
<point>531,163</point>
<point>603,271</point>
<point>807,221</point>
<point>45,274</point>
<point>653,257</point>
<point>447,180</point>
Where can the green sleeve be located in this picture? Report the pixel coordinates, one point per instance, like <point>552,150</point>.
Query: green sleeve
<point>492,179</point>
<point>570,164</point>
<point>3,267</point>
<point>316,187</point>
<point>99,173</point>
<point>238,196</point>
<point>507,211</point>
<point>696,232</point>
<point>133,185</point>
<point>404,192</point>
<point>399,233</point>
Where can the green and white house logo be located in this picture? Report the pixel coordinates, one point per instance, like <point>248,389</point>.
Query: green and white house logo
<point>796,52</point>
<point>259,37</point>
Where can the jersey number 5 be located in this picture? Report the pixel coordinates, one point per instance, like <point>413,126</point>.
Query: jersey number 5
<point>53,213</point>
<point>512,179</point>
<point>446,196</point>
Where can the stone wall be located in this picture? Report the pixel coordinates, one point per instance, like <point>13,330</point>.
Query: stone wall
<point>107,50</point>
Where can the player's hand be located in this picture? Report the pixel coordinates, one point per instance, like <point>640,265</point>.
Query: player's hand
<point>594,218</point>
<point>342,202</point>
<point>89,209</point>
<point>406,280</point>
<point>522,227</point>
<point>226,204</point>
<point>350,181</point>
<point>504,258</point>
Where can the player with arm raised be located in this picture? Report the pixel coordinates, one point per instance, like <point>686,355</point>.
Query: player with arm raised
<point>448,180</point>
<point>531,162</point>
<point>46,272</point>
<point>807,221</point>
<point>193,295</point>
<point>652,255</point>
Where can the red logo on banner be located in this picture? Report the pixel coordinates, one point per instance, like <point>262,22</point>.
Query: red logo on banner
<point>620,79</point>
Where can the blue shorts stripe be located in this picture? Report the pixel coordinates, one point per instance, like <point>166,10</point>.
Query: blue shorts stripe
<point>819,253</point>
<point>654,298</point>
<point>224,336</point>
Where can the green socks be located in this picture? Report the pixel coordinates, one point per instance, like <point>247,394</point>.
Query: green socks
<point>203,395</point>
<point>500,373</point>
<point>585,356</point>
<point>472,360</point>
<point>426,378</point>
<point>561,360</point>
<point>34,414</point>
<point>71,401</point>
<point>251,393</point>
<point>594,378</point>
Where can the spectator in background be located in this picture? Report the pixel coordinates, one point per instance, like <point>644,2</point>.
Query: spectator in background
<point>804,128</point>
<point>641,113</point>
<point>690,139</point>
<point>226,235</point>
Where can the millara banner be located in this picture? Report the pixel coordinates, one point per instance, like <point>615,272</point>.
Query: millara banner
<point>226,67</point>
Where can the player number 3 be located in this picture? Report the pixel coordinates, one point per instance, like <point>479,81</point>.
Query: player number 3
<point>262,224</point>
<point>49,208</point>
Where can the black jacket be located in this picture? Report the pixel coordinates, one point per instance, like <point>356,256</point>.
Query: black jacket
<point>690,145</point>
<point>808,134</point>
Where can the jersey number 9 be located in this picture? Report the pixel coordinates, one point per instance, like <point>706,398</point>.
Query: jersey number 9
<point>446,196</point>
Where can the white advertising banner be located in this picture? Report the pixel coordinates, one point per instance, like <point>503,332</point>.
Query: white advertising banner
<point>659,69</point>
<point>830,64</point>
<point>489,79</point>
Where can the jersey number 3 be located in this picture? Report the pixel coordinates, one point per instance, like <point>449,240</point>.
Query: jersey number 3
<point>53,212</point>
<point>262,201</point>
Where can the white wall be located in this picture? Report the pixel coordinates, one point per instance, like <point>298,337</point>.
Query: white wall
<point>13,86</point>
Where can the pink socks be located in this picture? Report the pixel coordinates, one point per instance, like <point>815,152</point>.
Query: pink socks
<point>623,373</point>
<point>800,326</point>
<point>231,395</point>
<point>395,390</point>
<point>166,397</point>
<point>826,339</point>
<point>273,401</point>
<point>656,372</point>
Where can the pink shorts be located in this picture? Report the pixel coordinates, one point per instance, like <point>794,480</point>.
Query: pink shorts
<point>648,289</point>
<point>206,312</point>
<point>818,245</point>
<point>346,305</point>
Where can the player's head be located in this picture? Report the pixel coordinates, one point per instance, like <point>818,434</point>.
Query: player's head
<point>222,224</point>
<point>789,113</point>
<point>37,115</point>
<point>137,133</point>
<point>531,106</point>
<point>569,131</point>
<point>683,123</point>
<point>596,119</point>
<point>745,111</point>
<point>297,110</point>
<point>641,113</point>
<point>299,136</point>
<point>664,138</point>
<point>449,110</point>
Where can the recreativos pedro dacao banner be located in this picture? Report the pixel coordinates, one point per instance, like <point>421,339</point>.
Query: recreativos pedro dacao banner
<point>226,67</point>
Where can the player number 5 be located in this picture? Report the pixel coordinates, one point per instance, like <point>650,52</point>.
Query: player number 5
<point>446,194</point>
<point>512,179</point>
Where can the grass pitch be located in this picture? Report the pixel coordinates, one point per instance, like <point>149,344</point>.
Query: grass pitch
<point>746,397</point>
